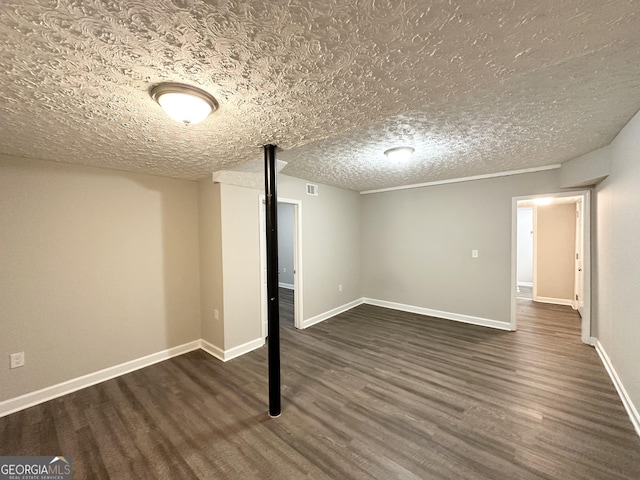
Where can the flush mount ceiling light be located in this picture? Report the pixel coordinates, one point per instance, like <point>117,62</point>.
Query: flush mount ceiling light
<point>543,201</point>
<point>399,154</point>
<point>184,103</point>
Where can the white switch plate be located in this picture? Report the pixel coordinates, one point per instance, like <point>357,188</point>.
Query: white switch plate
<point>474,253</point>
<point>216,314</point>
<point>340,287</point>
<point>17,359</point>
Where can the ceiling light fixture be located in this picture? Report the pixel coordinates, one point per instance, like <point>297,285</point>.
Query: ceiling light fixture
<point>542,201</point>
<point>184,103</point>
<point>399,154</point>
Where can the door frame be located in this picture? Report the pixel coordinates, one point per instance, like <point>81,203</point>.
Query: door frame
<point>297,263</point>
<point>586,246</point>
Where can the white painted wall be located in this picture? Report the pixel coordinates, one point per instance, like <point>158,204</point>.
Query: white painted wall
<point>417,244</point>
<point>285,243</point>
<point>525,246</point>
<point>99,267</point>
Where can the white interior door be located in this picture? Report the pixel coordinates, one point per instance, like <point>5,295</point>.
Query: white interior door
<point>579,266</point>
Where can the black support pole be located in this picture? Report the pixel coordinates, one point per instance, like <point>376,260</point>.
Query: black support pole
<point>270,188</point>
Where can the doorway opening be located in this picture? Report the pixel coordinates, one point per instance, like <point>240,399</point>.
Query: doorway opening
<point>289,257</point>
<point>551,251</point>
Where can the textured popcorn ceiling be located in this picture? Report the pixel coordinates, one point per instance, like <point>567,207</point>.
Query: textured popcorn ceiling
<point>475,86</point>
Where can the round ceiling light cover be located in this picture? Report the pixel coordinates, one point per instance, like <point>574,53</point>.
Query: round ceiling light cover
<point>399,154</point>
<point>184,103</point>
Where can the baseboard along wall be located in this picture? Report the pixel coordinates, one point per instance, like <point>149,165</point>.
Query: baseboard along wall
<point>556,301</point>
<point>631,409</point>
<point>22,402</point>
<point>457,317</point>
<point>331,313</point>
<point>31,399</point>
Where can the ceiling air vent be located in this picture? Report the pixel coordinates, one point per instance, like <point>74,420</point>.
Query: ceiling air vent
<point>312,189</point>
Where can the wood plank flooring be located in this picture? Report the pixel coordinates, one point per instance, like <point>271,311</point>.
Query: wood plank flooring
<point>369,394</point>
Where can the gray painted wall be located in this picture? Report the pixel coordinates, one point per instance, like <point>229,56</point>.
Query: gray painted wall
<point>330,245</point>
<point>617,266</point>
<point>99,267</point>
<point>88,254</point>
<point>211,279</point>
<point>586,170</point>
<point>240,264</point>
<point>417,244</point>
<point>285,242</point>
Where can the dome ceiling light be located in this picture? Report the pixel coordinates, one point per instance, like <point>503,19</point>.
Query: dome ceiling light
<point>399,154</point>
<point>184,103</point>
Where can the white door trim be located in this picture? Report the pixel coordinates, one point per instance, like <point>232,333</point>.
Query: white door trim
<point>586,245</point>
<point>297,260</point>
<point>297,263</point>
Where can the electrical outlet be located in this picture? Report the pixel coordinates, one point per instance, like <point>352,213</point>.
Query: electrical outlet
<point>17,359</point>
<point>474,253</point>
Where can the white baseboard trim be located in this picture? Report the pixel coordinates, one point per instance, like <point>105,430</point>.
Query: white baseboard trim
<point>632,411</point>
<point>212,350</point>
<point>331,313</point>
<point>226,355</point>
<point>242,349</point>
<point>49,393</point>
<point>555,301</point>
<point>27,400</point>
<point>288,286</point>
<point>458,317</point>
<point>525,284</point>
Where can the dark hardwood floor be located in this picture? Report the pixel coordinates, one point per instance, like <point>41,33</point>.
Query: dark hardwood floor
<point>369,394</point>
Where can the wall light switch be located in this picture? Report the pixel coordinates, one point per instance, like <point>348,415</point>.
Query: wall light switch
<point>216,314</point>
<point>474,253</point>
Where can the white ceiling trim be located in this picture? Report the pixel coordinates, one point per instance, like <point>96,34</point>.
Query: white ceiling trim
<point>466,179</point>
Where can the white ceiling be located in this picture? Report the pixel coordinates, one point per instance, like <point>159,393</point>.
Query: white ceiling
<point>475,86</point>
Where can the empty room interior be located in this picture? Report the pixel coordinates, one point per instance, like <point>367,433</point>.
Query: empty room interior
<point>457,188</point>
